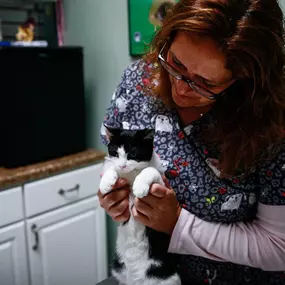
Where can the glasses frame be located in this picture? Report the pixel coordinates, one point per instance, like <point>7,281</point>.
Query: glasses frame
<point>192,84</point>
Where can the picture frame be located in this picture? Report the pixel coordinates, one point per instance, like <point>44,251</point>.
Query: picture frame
<point>145,18</point>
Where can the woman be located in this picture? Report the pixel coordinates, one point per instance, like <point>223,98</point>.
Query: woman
<point>213,88</point>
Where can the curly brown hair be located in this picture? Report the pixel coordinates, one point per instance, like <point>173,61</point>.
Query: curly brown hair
<point>250,117</point>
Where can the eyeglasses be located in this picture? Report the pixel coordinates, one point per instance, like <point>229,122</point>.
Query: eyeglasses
<point>193,85</point>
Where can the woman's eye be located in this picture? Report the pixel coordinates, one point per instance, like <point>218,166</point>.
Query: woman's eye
<point>208,85</point>
<point>177,63</point>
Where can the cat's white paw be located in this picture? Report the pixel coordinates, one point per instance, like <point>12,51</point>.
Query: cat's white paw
<point>144,180</point>
<point>140,188</point>
<point>108,180</point>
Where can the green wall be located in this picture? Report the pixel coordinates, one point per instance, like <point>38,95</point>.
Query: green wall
<point>101,27</point>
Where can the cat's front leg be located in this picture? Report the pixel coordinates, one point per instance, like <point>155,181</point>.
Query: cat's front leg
<point>144,180</point>
<point>108,180</point>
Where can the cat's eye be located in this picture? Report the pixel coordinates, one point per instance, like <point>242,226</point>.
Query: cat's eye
<point>112,150</point>
<point>113,153</point>
<point>132,153</point>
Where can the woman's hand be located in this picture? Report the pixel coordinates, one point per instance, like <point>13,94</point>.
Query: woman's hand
<point>116,203</point>
<point>159,210</point>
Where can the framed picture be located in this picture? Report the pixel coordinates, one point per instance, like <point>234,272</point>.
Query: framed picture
<point>145,17</point>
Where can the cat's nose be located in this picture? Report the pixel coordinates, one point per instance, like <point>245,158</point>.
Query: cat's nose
<point>123,166</point>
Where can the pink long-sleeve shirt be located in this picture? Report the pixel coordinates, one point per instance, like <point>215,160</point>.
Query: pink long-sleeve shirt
<point>260,243</point>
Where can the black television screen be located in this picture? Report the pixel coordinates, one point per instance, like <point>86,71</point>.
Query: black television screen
<point>42,106</point>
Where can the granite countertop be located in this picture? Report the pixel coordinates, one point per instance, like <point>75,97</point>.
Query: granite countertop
<point>16,176</point>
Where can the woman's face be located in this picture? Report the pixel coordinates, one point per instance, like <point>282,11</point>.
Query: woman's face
<point>200,60</point>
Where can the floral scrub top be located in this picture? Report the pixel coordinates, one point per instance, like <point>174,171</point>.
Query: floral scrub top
<point>190,168</point>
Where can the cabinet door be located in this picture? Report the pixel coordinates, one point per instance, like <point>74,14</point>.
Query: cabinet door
<point>68,245</point>
<point>13,255</point>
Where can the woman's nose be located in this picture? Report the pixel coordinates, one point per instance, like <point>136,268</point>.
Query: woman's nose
<point>182,87</point>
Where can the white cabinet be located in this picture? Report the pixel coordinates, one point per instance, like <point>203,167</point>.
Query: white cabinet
<point>53,231</point>
<point>66,246</point>
<point>60,190</point>
<point>13,257</point>
<point>11,206</point>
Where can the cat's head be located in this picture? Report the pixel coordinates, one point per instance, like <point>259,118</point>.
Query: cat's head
<point>130,149</point>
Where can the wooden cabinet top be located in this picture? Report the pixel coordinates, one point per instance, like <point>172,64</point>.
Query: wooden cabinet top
<point>21,175</point>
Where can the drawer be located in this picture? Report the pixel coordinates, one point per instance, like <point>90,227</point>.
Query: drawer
<point>11,206</point>
<point>56,191</point>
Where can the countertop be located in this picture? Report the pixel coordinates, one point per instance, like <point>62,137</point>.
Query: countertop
<point>20,175</point>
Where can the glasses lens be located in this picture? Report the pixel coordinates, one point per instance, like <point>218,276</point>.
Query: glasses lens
<point>201,91</point>
<point>178,76</point>
<point>170,70</point>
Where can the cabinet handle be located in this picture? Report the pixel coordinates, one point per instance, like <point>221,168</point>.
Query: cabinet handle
<point>36,233</point>
<point>62,192</point>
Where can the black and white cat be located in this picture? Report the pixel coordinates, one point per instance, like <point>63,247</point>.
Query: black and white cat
<point>141,253</point>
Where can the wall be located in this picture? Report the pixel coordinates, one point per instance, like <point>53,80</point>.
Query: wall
<point>101,27</point>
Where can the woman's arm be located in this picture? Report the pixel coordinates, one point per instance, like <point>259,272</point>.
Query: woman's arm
<point>258,244</point>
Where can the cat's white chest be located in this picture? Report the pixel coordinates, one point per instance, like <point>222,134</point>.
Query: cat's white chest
<point>130,177</point>
<point>131,238</point>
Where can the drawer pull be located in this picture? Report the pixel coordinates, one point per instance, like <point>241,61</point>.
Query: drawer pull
<point>36,233</point>
<point>62,192</point>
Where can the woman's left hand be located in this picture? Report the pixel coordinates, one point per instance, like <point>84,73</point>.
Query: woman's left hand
<point>159,210</point>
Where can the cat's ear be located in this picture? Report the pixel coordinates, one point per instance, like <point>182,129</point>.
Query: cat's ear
<point>149,134</point>
<point>110,132</point>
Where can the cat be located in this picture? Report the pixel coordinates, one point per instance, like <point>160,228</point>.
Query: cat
<point>141,256</point>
